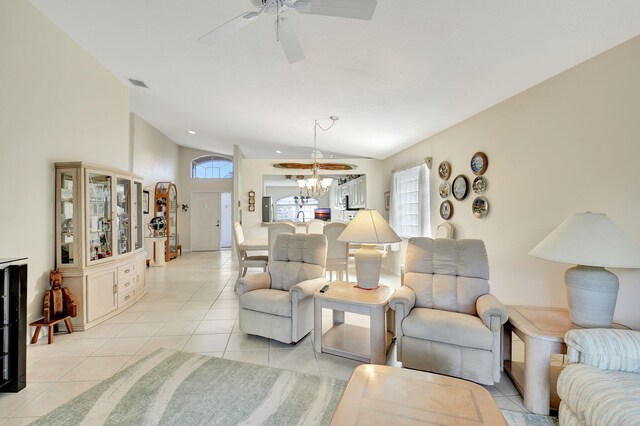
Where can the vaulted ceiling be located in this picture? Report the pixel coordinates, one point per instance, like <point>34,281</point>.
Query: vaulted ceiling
<point>416,68</point>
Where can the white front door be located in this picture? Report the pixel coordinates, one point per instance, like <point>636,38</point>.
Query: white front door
<point>205,221</point>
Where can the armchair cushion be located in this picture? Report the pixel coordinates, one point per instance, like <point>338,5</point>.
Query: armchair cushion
<point>606,349</point>
<point>307,288</point>
<point>492,312</point>
<point>253,282</point>
<point>447,274</point>
<point>403,296</point>
<point>448,327</point>
<point>297,258</point>
<point>274,302</point>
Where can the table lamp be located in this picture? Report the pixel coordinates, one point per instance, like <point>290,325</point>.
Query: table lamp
<point>593,242</point>
<point>369,229</point>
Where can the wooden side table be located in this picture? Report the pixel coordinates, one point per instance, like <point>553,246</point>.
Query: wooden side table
<point>542,331</point>
<point>352,341</point>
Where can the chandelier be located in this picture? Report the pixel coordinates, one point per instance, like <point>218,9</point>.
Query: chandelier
<point>316,186</point>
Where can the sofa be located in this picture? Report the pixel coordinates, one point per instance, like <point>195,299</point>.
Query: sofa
<point>601,384</point>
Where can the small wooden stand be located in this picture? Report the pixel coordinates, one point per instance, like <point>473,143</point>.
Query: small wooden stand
<point>53,326</point>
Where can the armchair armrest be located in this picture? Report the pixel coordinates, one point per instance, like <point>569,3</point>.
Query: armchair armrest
<point>492,312</point>
<point>402,301</point>
<point>606,349</point>
<point>306,288</point>
<point>253,282</point>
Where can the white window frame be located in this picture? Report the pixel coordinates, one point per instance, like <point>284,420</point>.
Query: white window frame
<point>409,212</point>
<point>198,171</point>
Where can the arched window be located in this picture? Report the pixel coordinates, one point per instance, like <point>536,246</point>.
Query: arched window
<point>288,208</point>
<point>211,167</point>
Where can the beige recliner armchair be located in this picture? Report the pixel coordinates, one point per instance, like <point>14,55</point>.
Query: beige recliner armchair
<point>446,320</point>
<point>279,304</point>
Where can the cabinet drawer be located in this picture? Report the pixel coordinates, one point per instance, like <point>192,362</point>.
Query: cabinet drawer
<point>126,271</point>
<point>126,285</point>
<point>127,297</point>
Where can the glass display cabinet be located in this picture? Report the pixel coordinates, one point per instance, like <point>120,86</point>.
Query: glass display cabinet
<point>166,206</point>
<point>99,240</point>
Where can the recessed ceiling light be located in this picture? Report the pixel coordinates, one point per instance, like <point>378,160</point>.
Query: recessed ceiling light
<point>278,152</point>
<point>191,132</point>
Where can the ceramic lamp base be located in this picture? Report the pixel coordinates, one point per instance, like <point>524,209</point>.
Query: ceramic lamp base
<point>592,292</point>
<point>368,264</point>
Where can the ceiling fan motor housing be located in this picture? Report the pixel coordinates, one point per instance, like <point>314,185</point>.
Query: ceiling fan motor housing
<point>272,6</point>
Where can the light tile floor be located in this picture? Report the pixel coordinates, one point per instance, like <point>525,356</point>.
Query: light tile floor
<point>190,306</point>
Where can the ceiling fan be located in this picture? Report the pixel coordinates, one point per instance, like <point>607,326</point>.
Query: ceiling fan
<point>354,9</point>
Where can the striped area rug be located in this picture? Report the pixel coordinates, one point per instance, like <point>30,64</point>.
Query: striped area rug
<point>171,387</point>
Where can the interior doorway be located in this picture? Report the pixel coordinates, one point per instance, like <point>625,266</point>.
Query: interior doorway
<point>210,221</point>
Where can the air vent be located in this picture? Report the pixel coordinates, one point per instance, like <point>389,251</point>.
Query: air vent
<point>138,83</point>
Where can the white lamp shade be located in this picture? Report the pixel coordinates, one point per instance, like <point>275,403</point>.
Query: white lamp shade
<point>312,182</point>
<point>326,182</point>
<point>589,239</point>
<point>302,183</point>
<point>368,227</point>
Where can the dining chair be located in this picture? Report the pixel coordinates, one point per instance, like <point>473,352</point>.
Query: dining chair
<point>290,222</point>
<point>337,251</point>
<point>245,261</point>
<point>315,226</point>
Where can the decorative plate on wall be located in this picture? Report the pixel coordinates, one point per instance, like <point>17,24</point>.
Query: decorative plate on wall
<point>480,207</point>
<point>444,170</point>
<point>460,187</point>
<point>479,163</point>
<point>479,185</point>
<point>445,189</point>
<point>446,210</point>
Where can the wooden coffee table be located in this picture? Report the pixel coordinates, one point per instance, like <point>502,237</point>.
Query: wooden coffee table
<point>382,395</point>
<point>353,341</point>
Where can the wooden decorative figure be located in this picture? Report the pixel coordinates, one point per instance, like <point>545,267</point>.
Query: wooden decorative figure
<point>58,301</point>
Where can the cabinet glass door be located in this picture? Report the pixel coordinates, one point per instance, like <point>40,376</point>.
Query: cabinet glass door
<point>173,218</point>
<point>123,210</point>
<point>67,223</point>
<point>137,215</point>
<point>99,216</point>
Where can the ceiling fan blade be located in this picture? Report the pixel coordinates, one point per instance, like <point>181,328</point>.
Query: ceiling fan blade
<point>289,41</point>
<point>354,9</point>
<point>230,27</point>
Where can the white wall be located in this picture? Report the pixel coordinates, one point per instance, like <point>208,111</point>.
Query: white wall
<point>189,185</point>
<point>569,144</point>
<point>155,158</point>
<point>254,169</point>
<point>56,104</point>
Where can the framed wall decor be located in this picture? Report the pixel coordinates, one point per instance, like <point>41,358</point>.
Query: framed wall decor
<point>479,185</point>
<point>252,201</point>
<point>446,210</point>
<point>387,196</point>
<point>145,202</point>
<point>444,170</point>
<point>479,163</point>
<point>460,187</point>
<point>444,189</point>
<point>480,207</point>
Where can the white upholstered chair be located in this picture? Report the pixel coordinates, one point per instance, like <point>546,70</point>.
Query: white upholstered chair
<point>289,222</point>
<point>279,304</point>
<point>315,226</point>
<point>337,251</point>
<point>245,261</point>
<point>445,230</point>
<point>446,320</point>
<point>276,229</point>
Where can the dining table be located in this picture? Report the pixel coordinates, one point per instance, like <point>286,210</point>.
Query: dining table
<point>254,244</point>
